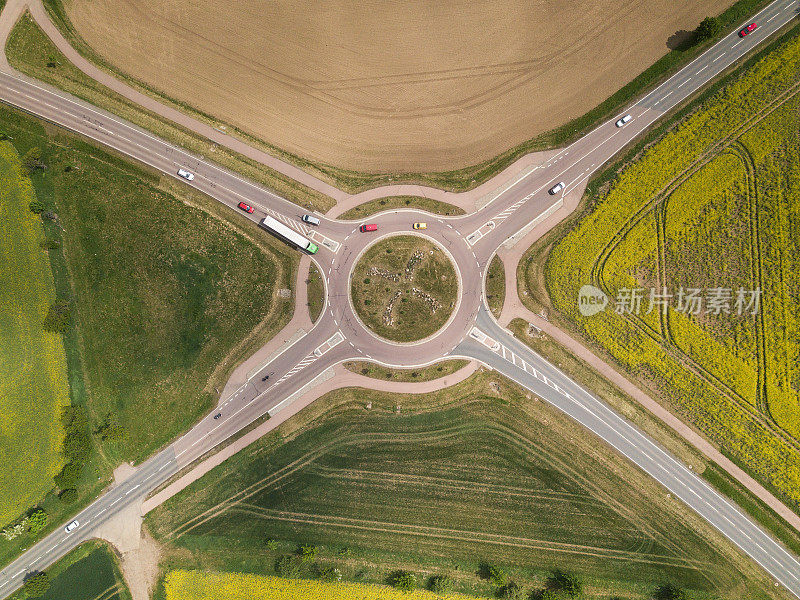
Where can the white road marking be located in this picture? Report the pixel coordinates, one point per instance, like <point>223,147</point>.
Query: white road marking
<point>701,69</point>
<point>684,83</point>
<point>720,56</point>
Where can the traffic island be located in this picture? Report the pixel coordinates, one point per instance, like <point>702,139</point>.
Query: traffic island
<point>404,288</point>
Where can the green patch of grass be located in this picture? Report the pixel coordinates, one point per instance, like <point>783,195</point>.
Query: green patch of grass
<point>475,474</point>
<point>404,288</point>
<point>393,202</point>
<point>316,292</point>
<point>30,51</point>
<point>496,286</point>
<point>457,179</point>
<point>429,373</point>
<point>90,572</point>
<point>33,370</point>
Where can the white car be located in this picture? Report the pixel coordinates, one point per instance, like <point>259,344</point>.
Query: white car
<point>623,120</point>
<point>185,174</point>
<point>557,188</point>
<point>310,219</point>
<point>72,526</point>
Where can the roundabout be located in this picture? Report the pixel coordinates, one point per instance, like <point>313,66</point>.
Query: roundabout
<point>404,288</point>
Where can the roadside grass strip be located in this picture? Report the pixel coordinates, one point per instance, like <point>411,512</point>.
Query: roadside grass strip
<point>33,372</point>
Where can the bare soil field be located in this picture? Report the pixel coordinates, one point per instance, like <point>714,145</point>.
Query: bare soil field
<point>385,85</point>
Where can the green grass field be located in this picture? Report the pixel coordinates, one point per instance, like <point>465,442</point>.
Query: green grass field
<point>404,288</point>
<point>477,473</point>
<point>33,371</point>
<point>714,203</point>
<point>395,202</point>
<point>434,371</point>
<point>90,572</point>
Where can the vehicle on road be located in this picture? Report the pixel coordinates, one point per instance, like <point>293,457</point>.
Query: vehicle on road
<point>623,120</point>
<point>288,234</point>
<point>185,174</point>
<point>310,219</point>
<point>420,225</point>
<point>557,188</point>
<point>369,227</point>
<point>217,416</point>
<point>72,526</point>
<point>750,28</point>
<point>246,207</point>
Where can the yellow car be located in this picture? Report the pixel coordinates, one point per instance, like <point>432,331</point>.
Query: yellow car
<point>420,225</point>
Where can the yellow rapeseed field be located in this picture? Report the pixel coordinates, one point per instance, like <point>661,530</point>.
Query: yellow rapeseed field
<point>200,585</point>
<point>714,203</point>
<point>33,372</point>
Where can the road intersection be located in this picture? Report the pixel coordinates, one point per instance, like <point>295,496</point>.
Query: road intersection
<point>470,240</point>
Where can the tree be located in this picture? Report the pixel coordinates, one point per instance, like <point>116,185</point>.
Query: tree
<point>567,583</point>
<point>669,592</point>
<point>403,580</point>
<point>37,584</point>
<point>37,520</point>
<point>110,430</point>
<point>708,28</point>
<point>68,477</point>
<point>33,160</point>
<point>58,317</point>
<point>440,584</point>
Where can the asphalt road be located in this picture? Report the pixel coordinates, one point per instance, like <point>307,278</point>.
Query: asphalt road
<point>338,335</point>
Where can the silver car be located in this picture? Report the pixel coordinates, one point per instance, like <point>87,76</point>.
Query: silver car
<point>623,120</point>
<point>72,526</point>
<point>185,174</point>
<point>557,188</point>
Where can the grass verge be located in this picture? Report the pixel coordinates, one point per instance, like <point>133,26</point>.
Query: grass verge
<point>372,207</point>
<point>429,373</point>
<point>316,292</point>
<point>477,474</point>
<point>457,179</point>
<point>404,288</point>
<point>496,286</point>
<point>31,52</point>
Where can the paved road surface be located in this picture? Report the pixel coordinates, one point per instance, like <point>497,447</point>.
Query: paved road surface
<point>338,335</point>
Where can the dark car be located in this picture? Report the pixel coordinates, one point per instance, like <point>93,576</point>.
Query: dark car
<point>370,227</point>
<point>748,29</point>
<point>245,207</point>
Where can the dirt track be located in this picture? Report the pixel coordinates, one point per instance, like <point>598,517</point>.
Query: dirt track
<point>382,85</point>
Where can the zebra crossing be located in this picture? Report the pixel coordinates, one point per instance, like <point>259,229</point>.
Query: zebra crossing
<point>333,341</point>
<point>474,237</point>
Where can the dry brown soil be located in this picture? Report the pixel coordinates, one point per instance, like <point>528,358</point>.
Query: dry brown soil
<point>391,85</point>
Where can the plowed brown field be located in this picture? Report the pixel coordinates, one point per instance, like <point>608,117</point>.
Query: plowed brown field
<point>382,85</point>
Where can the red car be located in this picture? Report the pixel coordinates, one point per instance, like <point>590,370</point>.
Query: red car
<point>748,29</point>
<point>245,207</point>
<point>370,227</point>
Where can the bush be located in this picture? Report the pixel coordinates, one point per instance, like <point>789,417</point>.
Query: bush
<point>669,592</point>
<point>708,28</point>
<point>36,585</point>
<point>110,430</point>
<point>37,520</point>
<point>329,574</point>
<point>58,317</point>
<point>271,544</point>
<point>77,443</point>
<point>37,207</point>
<point>497,576</point>
<point>511,591</point>
<point>308,552</point>
<point>68,496</point>
<point>440,584</point>
<point>567,583</point>
<point>288,565</point>
<point>32,159</point>
<point>50,244</point>
<point>404,581</point>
